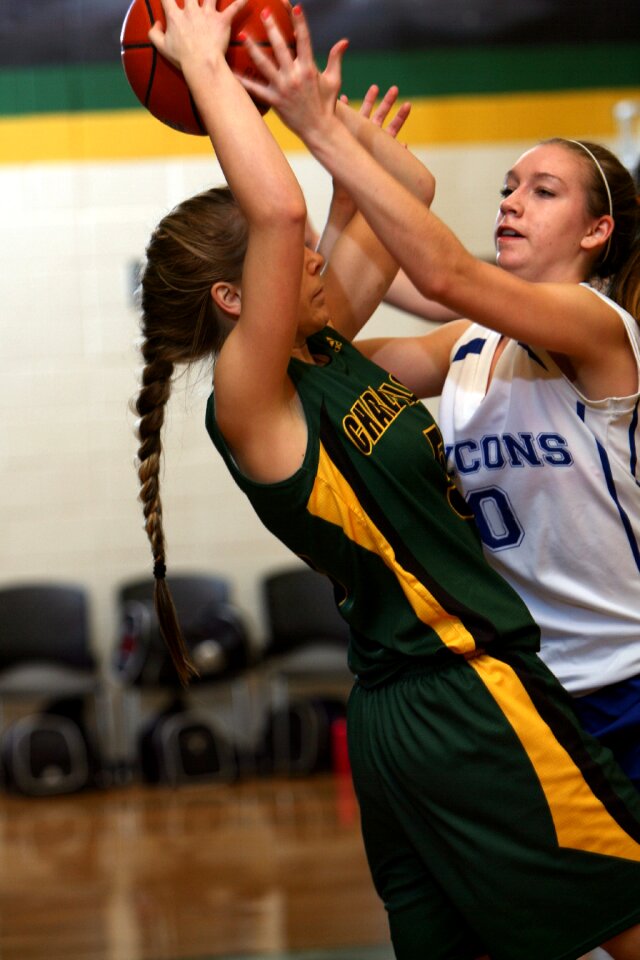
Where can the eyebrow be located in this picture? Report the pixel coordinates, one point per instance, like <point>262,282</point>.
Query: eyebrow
<point>536,176</point>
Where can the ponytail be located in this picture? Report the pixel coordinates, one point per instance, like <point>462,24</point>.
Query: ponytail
<point>200,242</point>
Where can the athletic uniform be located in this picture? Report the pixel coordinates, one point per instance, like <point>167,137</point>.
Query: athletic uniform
<point>553,480</point>
<point>464,748</point>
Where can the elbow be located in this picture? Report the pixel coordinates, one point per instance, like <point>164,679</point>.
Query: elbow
<point>427,187</point>
<point>293,220</point>
<point>297,213</point>
<point>285,211</point>
<point>433,282</point>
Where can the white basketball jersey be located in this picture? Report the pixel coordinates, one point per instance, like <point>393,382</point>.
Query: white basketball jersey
<point>553,479</point>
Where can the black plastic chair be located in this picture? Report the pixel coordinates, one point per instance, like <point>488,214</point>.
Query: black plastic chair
<point>213,628</point>
<point>46,656</point>
<point>216,636</point>
<point>305,651</point>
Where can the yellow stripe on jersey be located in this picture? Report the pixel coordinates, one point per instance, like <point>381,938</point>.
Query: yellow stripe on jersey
<point>333,499</point>
<point>581,820</point>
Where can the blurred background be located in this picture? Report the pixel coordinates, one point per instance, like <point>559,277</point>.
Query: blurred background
<point>85,174</point>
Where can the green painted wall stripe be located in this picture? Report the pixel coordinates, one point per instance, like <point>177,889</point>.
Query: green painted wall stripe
<point>497,69</point>
<point>434,72</point>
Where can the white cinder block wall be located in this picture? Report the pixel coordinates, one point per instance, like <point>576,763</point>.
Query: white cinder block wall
<point>70,237</point>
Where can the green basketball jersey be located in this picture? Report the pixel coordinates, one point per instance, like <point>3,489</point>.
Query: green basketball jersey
<point>373,507</point>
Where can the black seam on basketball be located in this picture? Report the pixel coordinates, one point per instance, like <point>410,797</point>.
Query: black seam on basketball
<point>150,12</point>
<point>152,74</point>
<point>196,115</point>
<point>137,46</point>
<point>259,43</point>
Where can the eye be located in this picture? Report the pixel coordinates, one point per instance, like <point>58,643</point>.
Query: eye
<point>506,191</point>
<point>543,192</point>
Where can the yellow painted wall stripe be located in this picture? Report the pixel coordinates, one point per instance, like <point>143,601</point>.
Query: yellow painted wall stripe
<point>333,499</point>
<point>581,821</point>
<point>134,134</point>
<point>506,117</point>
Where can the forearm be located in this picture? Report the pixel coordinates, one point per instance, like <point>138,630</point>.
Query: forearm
<point>391,155</point>
<point>341,211</point>
<point>238,135</point>
<point>403,295</point>
<point>397,216</point>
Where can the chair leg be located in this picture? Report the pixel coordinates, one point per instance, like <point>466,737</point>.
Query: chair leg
<point>243,710</point>
<point>105,734</point>
<point>281,727</point>
<point>131,714</point>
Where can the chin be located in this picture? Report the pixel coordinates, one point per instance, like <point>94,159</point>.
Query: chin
<point>517,268</point>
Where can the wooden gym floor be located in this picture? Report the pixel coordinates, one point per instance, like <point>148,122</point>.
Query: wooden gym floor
<point>267,868</point>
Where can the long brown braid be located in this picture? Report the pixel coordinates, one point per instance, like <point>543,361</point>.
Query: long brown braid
<point>200,242</point>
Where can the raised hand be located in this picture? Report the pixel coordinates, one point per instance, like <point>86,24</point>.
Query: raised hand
<point>294,87</point>
<point>195,31</point>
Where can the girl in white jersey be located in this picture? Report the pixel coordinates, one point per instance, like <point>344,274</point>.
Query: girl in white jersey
<point>541,424</point>
<point>540,388</point>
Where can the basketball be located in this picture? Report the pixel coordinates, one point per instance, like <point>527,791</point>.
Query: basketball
<point>160,87</point>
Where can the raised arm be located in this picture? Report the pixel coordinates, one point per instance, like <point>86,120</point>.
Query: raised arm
<point>359,268</point>
<point>401,293</point>
<point>342,207</point>
<point>261,312</point>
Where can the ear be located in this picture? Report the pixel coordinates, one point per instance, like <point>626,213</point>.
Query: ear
<point>598,234</point>
<point>227,297</point>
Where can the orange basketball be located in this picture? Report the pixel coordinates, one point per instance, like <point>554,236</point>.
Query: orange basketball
<point>160,87</point>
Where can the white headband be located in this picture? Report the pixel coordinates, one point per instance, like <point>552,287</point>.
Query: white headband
<point>606,186</point>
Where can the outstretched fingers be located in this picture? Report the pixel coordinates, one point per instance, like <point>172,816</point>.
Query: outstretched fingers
<point>279,45</point>
<point>271,68</point>
<point>302,34</point>
<point>368,101</point>
<point>386,104</point>
<point>382,111</point>
<point>396,124</point>
<point>333,71</point>
<point>229,13</point>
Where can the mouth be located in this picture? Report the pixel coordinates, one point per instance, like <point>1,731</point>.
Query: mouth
<point>508,233</point>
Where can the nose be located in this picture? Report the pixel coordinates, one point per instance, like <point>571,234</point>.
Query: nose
<point>511,203</point>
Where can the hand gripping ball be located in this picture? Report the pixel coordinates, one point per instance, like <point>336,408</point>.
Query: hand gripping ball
<point>160,87</point>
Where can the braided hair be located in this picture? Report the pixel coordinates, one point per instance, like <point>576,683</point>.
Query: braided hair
<point>201,242</point>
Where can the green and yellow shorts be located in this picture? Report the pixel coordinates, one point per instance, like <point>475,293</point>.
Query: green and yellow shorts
<point>492,823</point>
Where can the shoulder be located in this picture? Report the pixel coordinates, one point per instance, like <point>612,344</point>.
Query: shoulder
<point>630,322</point>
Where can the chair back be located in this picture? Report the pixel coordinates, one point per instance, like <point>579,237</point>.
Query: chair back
<point>213,629</point>
<point>45,622</point>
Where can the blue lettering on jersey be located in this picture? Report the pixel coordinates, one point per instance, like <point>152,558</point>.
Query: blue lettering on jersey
<point>556,451</point>
<point>497,451</point>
